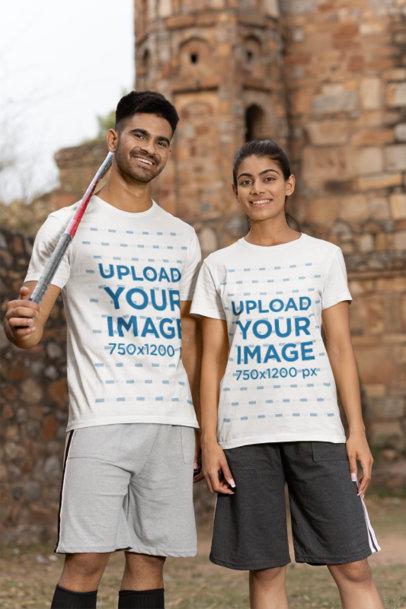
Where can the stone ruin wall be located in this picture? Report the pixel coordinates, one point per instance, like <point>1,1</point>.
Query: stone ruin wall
<point>33,402</point>
<point>345,126</point>
<point>345,72</point>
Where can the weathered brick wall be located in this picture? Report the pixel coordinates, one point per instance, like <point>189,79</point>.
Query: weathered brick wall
<point>33,414</point>
<point>345,73</point>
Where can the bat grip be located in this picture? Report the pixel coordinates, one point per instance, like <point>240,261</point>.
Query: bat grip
<point>50,268</point>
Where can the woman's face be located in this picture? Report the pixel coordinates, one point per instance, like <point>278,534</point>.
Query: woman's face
<point>261,188</point>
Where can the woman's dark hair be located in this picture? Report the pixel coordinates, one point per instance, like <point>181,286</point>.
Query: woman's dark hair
<point>262,148</point>
<point>148,102</point>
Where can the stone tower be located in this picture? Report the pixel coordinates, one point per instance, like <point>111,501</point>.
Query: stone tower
<point>220,62</point>
<point>327,79</point>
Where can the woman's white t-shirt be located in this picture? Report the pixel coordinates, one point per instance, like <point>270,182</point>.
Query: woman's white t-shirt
<point>278,385</point>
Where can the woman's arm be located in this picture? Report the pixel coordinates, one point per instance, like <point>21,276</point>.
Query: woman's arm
<point>214,361</point>
<point>342,359</point>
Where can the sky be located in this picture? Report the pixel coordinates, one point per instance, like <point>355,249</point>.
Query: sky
<point>62,63</point>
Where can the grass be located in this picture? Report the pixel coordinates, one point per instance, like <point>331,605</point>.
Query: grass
<point>28,576</point>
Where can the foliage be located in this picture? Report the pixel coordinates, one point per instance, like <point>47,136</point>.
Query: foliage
<point>104,122</point>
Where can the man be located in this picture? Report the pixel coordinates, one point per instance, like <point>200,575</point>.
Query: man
<point>126,283</point>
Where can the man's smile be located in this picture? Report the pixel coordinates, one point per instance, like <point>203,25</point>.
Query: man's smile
<point>144,160</point>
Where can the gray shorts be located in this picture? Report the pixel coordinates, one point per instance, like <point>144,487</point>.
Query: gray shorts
<point>330,523</point>
<point>128,486</point>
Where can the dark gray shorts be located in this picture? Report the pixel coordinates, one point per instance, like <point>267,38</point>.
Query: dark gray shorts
<point>329,521</point>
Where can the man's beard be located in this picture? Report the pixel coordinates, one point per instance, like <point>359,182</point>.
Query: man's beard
<point>134,176</point>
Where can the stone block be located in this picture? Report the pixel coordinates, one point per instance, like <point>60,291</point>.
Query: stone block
<point>52,467</point>
<point>400,132</point>
<point>396,94</point>
<point>379,208</point>
<point>395,157</point>
<point>324,133</point>
<point>58,392</point>
<point>376,363</point>
<point>398,74</point>
<point>371,93</point>
<point>31,391</point>
<point>382,242</point>
<point>398,205</point>
<point>374,390</point>
<point>323,164</point>
<point>386,434</point>
<point>335,98</point>
<point>353,209</point>
<point>372,137</point>
<point>12,433</point>
<point>300,7</point>
<point>321,211</point>
<point>366,243</point>
<point>385,408</point>
<point>272,8</point>
<point>208,239</point>
<point>389,455</point>
<point>3,473</point>
<point>49,428</point>
<point>301,101</point>
<point>367,160</point>
<point>378,181</point>
<point>400,240</point>
<point>370,28</point>
<point>53,350</point>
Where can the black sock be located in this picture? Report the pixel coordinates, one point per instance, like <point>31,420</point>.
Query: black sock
<point>141,599</point>
<point>67,599</point>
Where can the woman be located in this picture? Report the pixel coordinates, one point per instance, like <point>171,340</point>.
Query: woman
<point>269,403</point>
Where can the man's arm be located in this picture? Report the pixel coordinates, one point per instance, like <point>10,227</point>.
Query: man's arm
<point>191,358</point>
<point>24,321</point>
<point>342,359</point>
<point>191,351</point>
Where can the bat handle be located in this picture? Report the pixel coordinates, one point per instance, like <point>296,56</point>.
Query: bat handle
<point>50,268</point>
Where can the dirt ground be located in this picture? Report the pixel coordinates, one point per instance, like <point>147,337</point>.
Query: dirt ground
<point>28,576</point>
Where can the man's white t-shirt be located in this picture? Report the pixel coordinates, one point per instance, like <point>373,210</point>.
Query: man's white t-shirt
<point>278,385</point>
<point>123,278</point>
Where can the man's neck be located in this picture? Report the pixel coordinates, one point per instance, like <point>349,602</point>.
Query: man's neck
<point>135,197</point>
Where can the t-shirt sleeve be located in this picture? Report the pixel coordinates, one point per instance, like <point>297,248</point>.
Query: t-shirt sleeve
<point>44,244</point>
<point>206,300</point>
<point>190,269</point>
<point>335,288</point>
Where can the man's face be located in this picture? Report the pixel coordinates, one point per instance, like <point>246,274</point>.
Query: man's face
<point>141,146</point>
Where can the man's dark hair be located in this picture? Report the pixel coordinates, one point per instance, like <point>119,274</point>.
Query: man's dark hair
<point>148,102</point>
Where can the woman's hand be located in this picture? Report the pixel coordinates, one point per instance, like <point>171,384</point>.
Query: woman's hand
<point>216,471</point>
<point>358,451</point>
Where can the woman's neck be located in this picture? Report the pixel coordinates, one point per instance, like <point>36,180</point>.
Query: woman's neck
<point>270,233</point>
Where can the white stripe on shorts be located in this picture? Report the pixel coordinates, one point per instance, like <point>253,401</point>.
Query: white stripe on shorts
<point>372,540</point>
